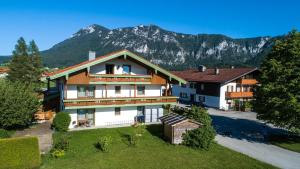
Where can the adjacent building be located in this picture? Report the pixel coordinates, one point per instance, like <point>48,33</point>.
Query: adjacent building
<point>219,88</point>
<point>115,89</point>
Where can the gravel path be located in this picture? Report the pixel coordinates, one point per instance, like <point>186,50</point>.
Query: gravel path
<point>42,131</point>
<point>242,132</point>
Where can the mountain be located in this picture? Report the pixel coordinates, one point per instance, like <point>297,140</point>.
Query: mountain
<point>169,49</point>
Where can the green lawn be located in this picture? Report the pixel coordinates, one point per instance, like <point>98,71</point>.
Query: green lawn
<point>151,152</point>
<point>290,143</point>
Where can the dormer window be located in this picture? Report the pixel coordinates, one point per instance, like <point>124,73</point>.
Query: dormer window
<point>126,69</point>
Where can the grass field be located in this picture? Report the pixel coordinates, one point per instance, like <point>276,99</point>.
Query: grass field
<point>290,143</point>
<point>151,152</point>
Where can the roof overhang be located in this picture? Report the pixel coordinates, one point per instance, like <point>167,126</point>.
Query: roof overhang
<point>108,57</point>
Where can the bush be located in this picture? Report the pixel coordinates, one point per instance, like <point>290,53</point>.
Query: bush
<point>133,140</point>
<point>104,143</point>
<point>21,152</point>
<point>62,143</point>
<point>56,153</point>
<point>61,121</point>
<point>18,105</point>
<point>199,138</point>
<point>4,133</point>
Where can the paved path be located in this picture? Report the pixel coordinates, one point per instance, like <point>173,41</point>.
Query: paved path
<point>42,131</point>
<point>242,132</point>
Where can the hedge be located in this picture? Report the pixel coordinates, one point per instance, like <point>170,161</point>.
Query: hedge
<point>20,152</point>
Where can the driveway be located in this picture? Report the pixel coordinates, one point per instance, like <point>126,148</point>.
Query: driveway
<point>242,132</point>
<point>42,131</point>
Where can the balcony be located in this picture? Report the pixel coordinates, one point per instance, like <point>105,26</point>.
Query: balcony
<point>247,81</point>
<point>239,94</point>
<point>119,79</point>
<point>123,101</point>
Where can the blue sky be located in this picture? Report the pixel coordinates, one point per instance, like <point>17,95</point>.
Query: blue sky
<point>50,22</point>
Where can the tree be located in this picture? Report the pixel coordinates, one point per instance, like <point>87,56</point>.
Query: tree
<point>203,136</point>
<point>278,96</point>
<point>18,103</point>
<point>25,65</point>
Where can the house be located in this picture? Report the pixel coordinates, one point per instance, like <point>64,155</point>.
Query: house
<point>175,126</point>
<point>220,88</point>
<point>3,72</point>
<point>115,89</point>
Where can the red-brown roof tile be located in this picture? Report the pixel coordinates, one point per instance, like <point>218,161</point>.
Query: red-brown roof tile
<point>225,74</point>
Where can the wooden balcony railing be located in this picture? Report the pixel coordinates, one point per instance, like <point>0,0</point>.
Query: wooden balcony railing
<point>119,78</point>
<point>239,94</point>
<point>120,101</point>
<point>248,81</point>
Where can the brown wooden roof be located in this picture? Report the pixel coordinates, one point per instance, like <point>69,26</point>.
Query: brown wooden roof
<point>225,75</point>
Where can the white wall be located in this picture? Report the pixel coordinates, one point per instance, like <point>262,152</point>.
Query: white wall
<point>176,89</point>
<point>135,68</point>
<point>73,115</point>
<point>223,104</point>
<point>125,91</point>
<point>153,90</point>
<point>106,116</point>
<point>71,92</point>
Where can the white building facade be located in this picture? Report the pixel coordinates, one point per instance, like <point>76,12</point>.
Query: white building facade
<point>115,89</point>
<point>221,88</point>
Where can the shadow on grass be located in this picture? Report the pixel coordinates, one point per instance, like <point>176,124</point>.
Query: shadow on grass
<point>156,130</point>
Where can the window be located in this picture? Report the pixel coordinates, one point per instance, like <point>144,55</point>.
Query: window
<point>141,90</point>
<point>183,95</point>
<point>109,69</point>
<point>117,89</point>
<point>230,88</point>
<point>192,85</point>
<point>126,69</point>
<point>183,85</point>
<point>140,111</point>
<point>117,111</point>
<point>202,86</point>
<point>202,99</point>
<point>85,91</point>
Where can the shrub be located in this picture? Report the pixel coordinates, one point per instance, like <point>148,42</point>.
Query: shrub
<point>199,138</point>
<point>18,105</point>
<point>61,121</point>
<point>62,143</point>
<point>133,140</point>
<point>4,133</point>
<point>104,143</point>
<point>21,152</point>
<point>57,153</point>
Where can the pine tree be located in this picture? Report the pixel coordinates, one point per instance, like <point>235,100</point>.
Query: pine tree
<point>36,66</point>
<point>25,65</point>
<point>278,96</point>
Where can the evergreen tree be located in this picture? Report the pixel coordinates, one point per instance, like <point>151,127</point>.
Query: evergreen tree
<point>278,96</point>
<point>25,65</point>
<point>36,66</point>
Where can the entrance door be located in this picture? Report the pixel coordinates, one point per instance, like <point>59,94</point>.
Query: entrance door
<point>154,113</point>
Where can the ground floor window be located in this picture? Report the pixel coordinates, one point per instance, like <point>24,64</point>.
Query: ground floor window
<point>85,117</point>
<point>202,99</point>
<point>117,111</point>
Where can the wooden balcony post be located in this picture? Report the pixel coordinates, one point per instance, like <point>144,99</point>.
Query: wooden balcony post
<point>105,87</point>
<point>135,88</point>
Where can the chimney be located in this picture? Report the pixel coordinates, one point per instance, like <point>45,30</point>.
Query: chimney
<point>201,68</point>
<point>232,67</point>
<point>92,55</point>
<point>217,71</point>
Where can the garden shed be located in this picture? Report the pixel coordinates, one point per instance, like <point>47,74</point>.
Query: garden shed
<point>175,125</point>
